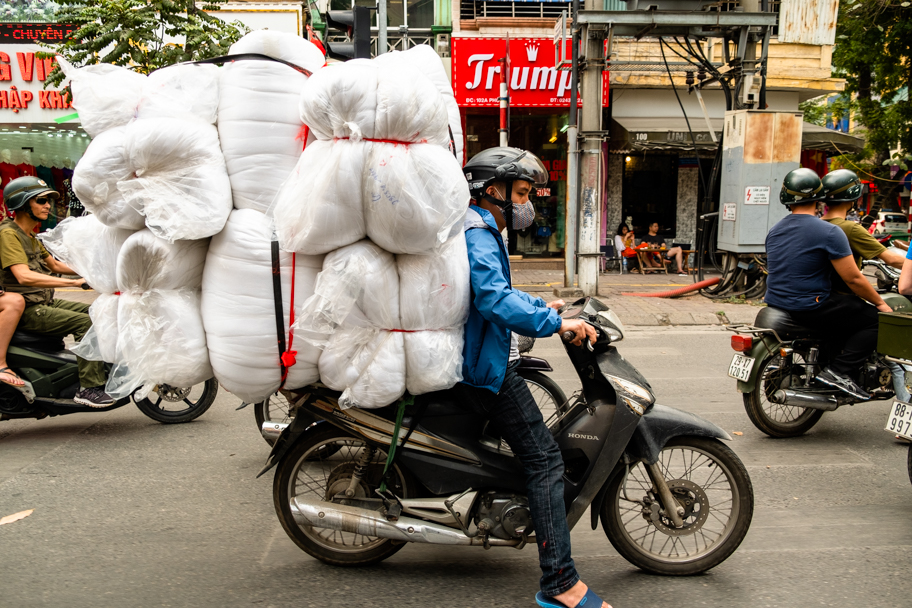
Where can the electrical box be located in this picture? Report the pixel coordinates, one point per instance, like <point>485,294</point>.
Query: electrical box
<point>758,149</point>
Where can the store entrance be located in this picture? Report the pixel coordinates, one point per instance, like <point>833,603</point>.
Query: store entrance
<point>650,193</point>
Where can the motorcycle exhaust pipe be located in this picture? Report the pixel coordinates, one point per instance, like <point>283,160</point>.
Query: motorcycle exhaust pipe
<point>319,514</point>
<point>815,401</point>
<point>271,430</point>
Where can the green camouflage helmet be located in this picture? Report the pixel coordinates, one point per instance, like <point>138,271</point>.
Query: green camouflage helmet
<point>842,186</point>
<point>801,186</point>
<point>23,189</point>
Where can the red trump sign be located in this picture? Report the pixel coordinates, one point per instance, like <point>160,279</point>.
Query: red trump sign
<point>533,80</point>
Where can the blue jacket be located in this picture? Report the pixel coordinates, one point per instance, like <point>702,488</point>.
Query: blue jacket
<point>496,308</point>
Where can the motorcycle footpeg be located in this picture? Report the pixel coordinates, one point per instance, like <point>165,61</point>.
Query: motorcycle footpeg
<point>392,504</point>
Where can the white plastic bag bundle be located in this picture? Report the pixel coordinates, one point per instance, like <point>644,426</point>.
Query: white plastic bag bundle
<point>147,262</point>
<point>105,95</point>
<point>434,293</point>
<point>320,208</point>
<point>180,181</point>
<point>281,45</point>
<point>341,101</point>
<point>356,300</point>
<point>100,342</point>
<point>88,247</point>
<point>415,197</point>
<point>95,178</point>
<point>239,310</point>
<point>161,341</point>
<point>187,91</point>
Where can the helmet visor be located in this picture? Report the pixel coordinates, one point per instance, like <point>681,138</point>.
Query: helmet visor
<point>531,169</point>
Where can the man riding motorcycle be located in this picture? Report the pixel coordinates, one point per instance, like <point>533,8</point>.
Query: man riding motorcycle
<point>500,181</point>
<point>802,253</point>
<point>27,268</point>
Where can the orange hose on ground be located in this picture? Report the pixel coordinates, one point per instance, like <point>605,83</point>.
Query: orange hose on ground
<point>676,292</point>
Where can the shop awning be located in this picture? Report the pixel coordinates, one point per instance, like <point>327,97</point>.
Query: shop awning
<point>640,133</point>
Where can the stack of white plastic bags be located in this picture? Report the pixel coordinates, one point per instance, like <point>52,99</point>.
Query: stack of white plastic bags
<point>155,158</point>
<point>382,194</point>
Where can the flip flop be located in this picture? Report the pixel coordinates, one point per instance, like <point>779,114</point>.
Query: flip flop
<point>10,372</point>
<point>590,600</point>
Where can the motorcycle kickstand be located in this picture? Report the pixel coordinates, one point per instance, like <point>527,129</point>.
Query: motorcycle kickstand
<point>673,510</point>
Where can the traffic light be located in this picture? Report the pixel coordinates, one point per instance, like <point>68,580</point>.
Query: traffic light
<point>356,24</point>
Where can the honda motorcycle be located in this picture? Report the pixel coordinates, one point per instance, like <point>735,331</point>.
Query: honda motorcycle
<point>777,360</point>
<point>354,489</point>
<point>51,377</point>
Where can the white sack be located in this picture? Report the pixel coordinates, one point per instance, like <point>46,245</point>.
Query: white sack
<point>95,179</point>
<point>239,311</point>
<point>281,45</point>
<point>100,341</point>
<point>319,208</point>
<point>341,101</point>
<point>181,183</point>
<point>161,341</point>
<point>415,197</point>
<point>367,365</point>
<point>260,129</point>
<point>88,247</point>
<point>187,91</point>
<point>105,95</point>
<point>434,294</point>
<point>147,262</point>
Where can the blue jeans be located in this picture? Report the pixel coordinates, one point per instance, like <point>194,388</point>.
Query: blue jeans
<point>514,414</point>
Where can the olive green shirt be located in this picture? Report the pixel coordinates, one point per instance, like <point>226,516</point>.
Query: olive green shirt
<point>17,247</point>
<point>864,247</point>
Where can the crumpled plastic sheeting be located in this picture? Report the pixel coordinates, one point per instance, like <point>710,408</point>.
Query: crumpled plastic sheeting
<point>434,295</point>
<point>187,91</point>
<point>161,341</point>
<point>180,183</point>
<point>260,129</point>
<point>239,310</point>
<point>100,341</point>
<point>367,365</point>
<point>415,196</point>
<point>88,247</point>
<point>281,45</point>
<point>95,178</point>
<point>341,101</point>
<point>423,58</point>
<point>320,208</point>
<point>105,95</point>
<point>147,262</point>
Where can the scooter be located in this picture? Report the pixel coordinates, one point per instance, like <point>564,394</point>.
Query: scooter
<point>354,489</point>
<point>777,360</point>
<point>51,378</point>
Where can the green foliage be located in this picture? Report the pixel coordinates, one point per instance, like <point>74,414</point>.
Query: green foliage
<point>28,10</point>
<point>874,54</point>
<point>144,35</point>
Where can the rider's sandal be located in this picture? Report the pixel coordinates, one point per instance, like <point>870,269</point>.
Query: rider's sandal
<point>590,600</point>
<point>10,372</point>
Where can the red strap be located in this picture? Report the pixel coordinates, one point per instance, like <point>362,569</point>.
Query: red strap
<point>386,141</point>
<point>289,357</point>
<point>303,134</point>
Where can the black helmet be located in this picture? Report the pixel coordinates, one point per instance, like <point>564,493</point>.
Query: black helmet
<point>23,189</point>
<point>842,186</point>
<point>503,165</point>
<point>801,186</point>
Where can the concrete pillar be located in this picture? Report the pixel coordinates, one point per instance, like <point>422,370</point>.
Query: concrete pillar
<point>614,187</point>
<point>688,191</point>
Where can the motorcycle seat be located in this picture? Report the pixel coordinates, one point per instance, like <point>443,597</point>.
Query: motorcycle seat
<point>783,323</point>
<point>42,342</point>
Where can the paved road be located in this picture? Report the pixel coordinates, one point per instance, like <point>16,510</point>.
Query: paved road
<point>129,512</point>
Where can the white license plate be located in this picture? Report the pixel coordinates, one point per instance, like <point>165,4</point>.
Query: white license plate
<point>900,420</point>
<point>740,367</point>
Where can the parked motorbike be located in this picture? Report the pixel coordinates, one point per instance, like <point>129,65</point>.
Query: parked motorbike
<point>275,413</point>
<point>671,497</point>
<point>778,360</point>
<point>51,378</point>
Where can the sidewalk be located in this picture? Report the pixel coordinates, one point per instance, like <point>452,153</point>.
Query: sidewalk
<point>686,310</point>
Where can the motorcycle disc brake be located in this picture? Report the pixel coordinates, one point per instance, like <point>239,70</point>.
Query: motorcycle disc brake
<point>692,499</point>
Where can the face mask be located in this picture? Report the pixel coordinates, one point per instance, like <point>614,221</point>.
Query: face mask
<point>519,216</point>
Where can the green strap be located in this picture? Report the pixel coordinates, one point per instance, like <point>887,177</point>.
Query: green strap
<point>391,453</point>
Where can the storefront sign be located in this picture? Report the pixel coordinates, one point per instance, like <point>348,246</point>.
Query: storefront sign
<point>757,195</point>
<point>533,79</point>
<point>23,97</point>
<point>27,33</point>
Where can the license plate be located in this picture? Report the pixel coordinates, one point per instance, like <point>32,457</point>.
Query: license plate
<point>900,420</point>
<point>740,367</point>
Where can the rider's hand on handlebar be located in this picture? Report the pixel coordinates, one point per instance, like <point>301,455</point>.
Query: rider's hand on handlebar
<point>78,282</point>
<point>580,330</point>
<point>556,304</point>
<point>884,307</point>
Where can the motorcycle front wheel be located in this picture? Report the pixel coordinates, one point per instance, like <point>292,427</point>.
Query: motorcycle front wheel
<point>776,419</point>
<point>712,486</point>
<point>322,465</point>
<point>171,404</point>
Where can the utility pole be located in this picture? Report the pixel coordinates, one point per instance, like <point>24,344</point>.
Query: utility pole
<point>590,169</point>
<point>570,220</point>
<point>381,27</point>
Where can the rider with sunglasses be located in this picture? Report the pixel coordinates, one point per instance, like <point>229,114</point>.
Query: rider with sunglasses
<point>27,269</point>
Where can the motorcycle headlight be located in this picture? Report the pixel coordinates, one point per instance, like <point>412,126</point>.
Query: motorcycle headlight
<point>611,323</point>
<point>636,397</point>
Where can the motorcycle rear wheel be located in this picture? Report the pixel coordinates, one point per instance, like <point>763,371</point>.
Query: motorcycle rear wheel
<point>163,403</point>
<point>320,465</point>
<point>709,481</point>
<point>775,419</point>
<point>909,463</point>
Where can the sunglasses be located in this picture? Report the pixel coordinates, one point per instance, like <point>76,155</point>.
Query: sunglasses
<point>42,200</point>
